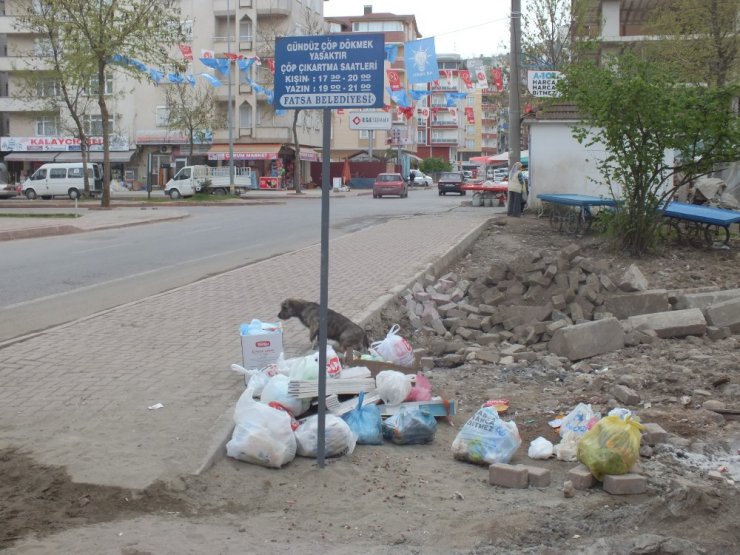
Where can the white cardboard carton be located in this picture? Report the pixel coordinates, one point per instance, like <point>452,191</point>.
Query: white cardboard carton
<point>261,349</point>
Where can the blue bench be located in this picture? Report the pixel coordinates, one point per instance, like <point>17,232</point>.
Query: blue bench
<point>573,212</point>
<point>698,224</point>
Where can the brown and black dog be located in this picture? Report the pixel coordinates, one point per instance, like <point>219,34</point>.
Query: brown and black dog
<point>341,329</point>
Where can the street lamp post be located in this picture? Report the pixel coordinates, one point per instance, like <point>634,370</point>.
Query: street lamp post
<point>230,111</point>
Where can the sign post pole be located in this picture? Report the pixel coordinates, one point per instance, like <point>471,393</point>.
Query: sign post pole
<point>329,71</point>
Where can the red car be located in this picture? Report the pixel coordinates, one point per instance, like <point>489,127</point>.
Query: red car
<point>390,184</point>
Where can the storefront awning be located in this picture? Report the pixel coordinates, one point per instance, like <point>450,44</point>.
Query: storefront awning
<point>116,157</point>
<point>308,154</point>
<point>31,156</point>
<point>245,152</point>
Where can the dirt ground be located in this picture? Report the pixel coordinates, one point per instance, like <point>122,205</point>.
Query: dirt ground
<point>418,499</point>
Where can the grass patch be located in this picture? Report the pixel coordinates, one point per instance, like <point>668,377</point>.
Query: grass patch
<point>39,215</point>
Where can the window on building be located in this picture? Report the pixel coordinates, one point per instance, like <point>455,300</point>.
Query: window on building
<point>45,126</point>
<point>421,122</point>
<point>47,88</point>
<point>470,144</point>
<point>421,136</point>
<point>470,129</point>
<point>187,30</point>
<point>470,100</point>
<point>42,47</point>
<point>92,89</point>
<point>376,26</point>
<point>93,125</point>
<point>161,116</point>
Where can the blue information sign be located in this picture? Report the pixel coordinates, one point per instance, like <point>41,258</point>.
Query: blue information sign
<point>330,71</point>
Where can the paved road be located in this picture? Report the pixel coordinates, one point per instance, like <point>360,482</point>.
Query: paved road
<point>83,404</point>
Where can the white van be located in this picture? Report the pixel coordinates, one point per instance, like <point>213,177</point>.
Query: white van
<point>56,179</point>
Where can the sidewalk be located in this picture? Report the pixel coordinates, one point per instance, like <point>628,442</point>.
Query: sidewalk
<point>84,403</point>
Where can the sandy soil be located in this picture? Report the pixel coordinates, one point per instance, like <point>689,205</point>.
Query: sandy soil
<point>418,499</point>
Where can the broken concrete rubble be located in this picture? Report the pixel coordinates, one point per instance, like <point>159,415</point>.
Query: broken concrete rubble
<point>561,303</point>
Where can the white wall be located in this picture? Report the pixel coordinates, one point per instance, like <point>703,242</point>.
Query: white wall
<point>560,164</point>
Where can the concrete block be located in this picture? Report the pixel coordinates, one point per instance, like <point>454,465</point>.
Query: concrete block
<point>538,477</point>
<point>715,334</point>
<point>653,434</point>
<point>570,252</point>
<point>588,339</point>
<point>633,280</point>
<point>488,355</point>
<point>558,301</point>
<point>634,304</point>
<point>725,314</point>
<point>674,323</point>
<point>440,298</point>
<point>508,476</point>
<point>703,299</point>
<point>469,308</point>
<point>581,477</point>
<point>625,395</point>
<point>625,484</point>
<point>421,296</point>
<point>607,283</point>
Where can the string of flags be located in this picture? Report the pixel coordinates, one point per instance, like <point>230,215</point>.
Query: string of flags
<point>420,67</point>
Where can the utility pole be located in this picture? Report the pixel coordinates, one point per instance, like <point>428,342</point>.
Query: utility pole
<point>514,140</point>
<point>230,115</point>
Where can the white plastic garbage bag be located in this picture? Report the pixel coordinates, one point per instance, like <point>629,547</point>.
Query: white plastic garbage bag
<point>338,437</point>
<point>540,448</point>
<point>486,439</point>
<point>276,391</point>
<point>393,386</point>
<point>395,348</point>
<point>262,435</point>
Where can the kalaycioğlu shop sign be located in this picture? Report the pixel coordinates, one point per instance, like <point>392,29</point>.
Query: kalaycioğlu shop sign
<point>330,71</point>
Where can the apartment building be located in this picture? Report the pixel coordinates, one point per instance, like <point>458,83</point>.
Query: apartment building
<point>143,149</point>
<point>367,144</point>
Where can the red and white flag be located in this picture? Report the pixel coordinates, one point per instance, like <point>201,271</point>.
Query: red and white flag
<point>498,78</point>
<point>207,54</point>
<point>470,114</point>
<point>480,76</point>
<point>394,79</point>
<point>465,76</point>
<point>271,64</point>
<point>187,52</point>
<point>453,112</point>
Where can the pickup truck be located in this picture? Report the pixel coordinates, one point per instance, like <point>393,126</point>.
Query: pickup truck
<point>217,181</point>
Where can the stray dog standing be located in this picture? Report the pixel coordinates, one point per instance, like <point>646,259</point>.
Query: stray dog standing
<point>341,329</point>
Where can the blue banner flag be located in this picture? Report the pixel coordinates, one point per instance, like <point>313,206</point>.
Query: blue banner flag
<point>418,95</point>
<point>211,79</point>
<point>391,52</point>
<point>190,79</point>
<point>175,78</point>
<point>420,59</point>
<point>245,64</point>
<point>156,75</point>
<point>219,64</point>
<point>399,97</point>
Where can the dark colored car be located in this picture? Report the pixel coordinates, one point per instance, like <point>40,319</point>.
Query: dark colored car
<point>390,184</point>
<point>451,182</point>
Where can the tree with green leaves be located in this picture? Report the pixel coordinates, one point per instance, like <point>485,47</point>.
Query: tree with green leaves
<point>658,133</point>
<point>434,165</point>
<point>191,110</point>
<point>546,33</point>
<point>699,39</point>
<point>53,80</point>
<point>92,32</point>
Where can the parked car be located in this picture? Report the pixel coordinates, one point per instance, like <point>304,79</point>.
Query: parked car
<point>8,190</point>
<point>390,184</point>
<point>421,179</point>
<point>57,179</point>
<point>451,182</point>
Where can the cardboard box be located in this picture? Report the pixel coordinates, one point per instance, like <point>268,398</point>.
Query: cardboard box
<point>261,349</point>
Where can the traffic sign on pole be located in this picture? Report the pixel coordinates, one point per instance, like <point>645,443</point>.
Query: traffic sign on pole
<point>330,71</point>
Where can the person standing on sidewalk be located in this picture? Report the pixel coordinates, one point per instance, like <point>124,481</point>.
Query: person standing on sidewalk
<point>516,189</point>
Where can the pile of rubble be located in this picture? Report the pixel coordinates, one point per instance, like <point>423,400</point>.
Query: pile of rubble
<point>562,304</point>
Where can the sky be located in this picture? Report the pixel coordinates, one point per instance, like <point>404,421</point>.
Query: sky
<point>466,27</point>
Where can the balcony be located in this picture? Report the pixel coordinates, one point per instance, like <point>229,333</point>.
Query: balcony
<point>270,8</point>
<point>444,123</point>
<point>223,7</point>
<point>444,140</point>
<point>22,63</point>
<point>10,104</point>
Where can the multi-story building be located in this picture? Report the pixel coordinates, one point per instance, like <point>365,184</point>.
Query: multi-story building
<point>365,144</point>
<point>142,147</point>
